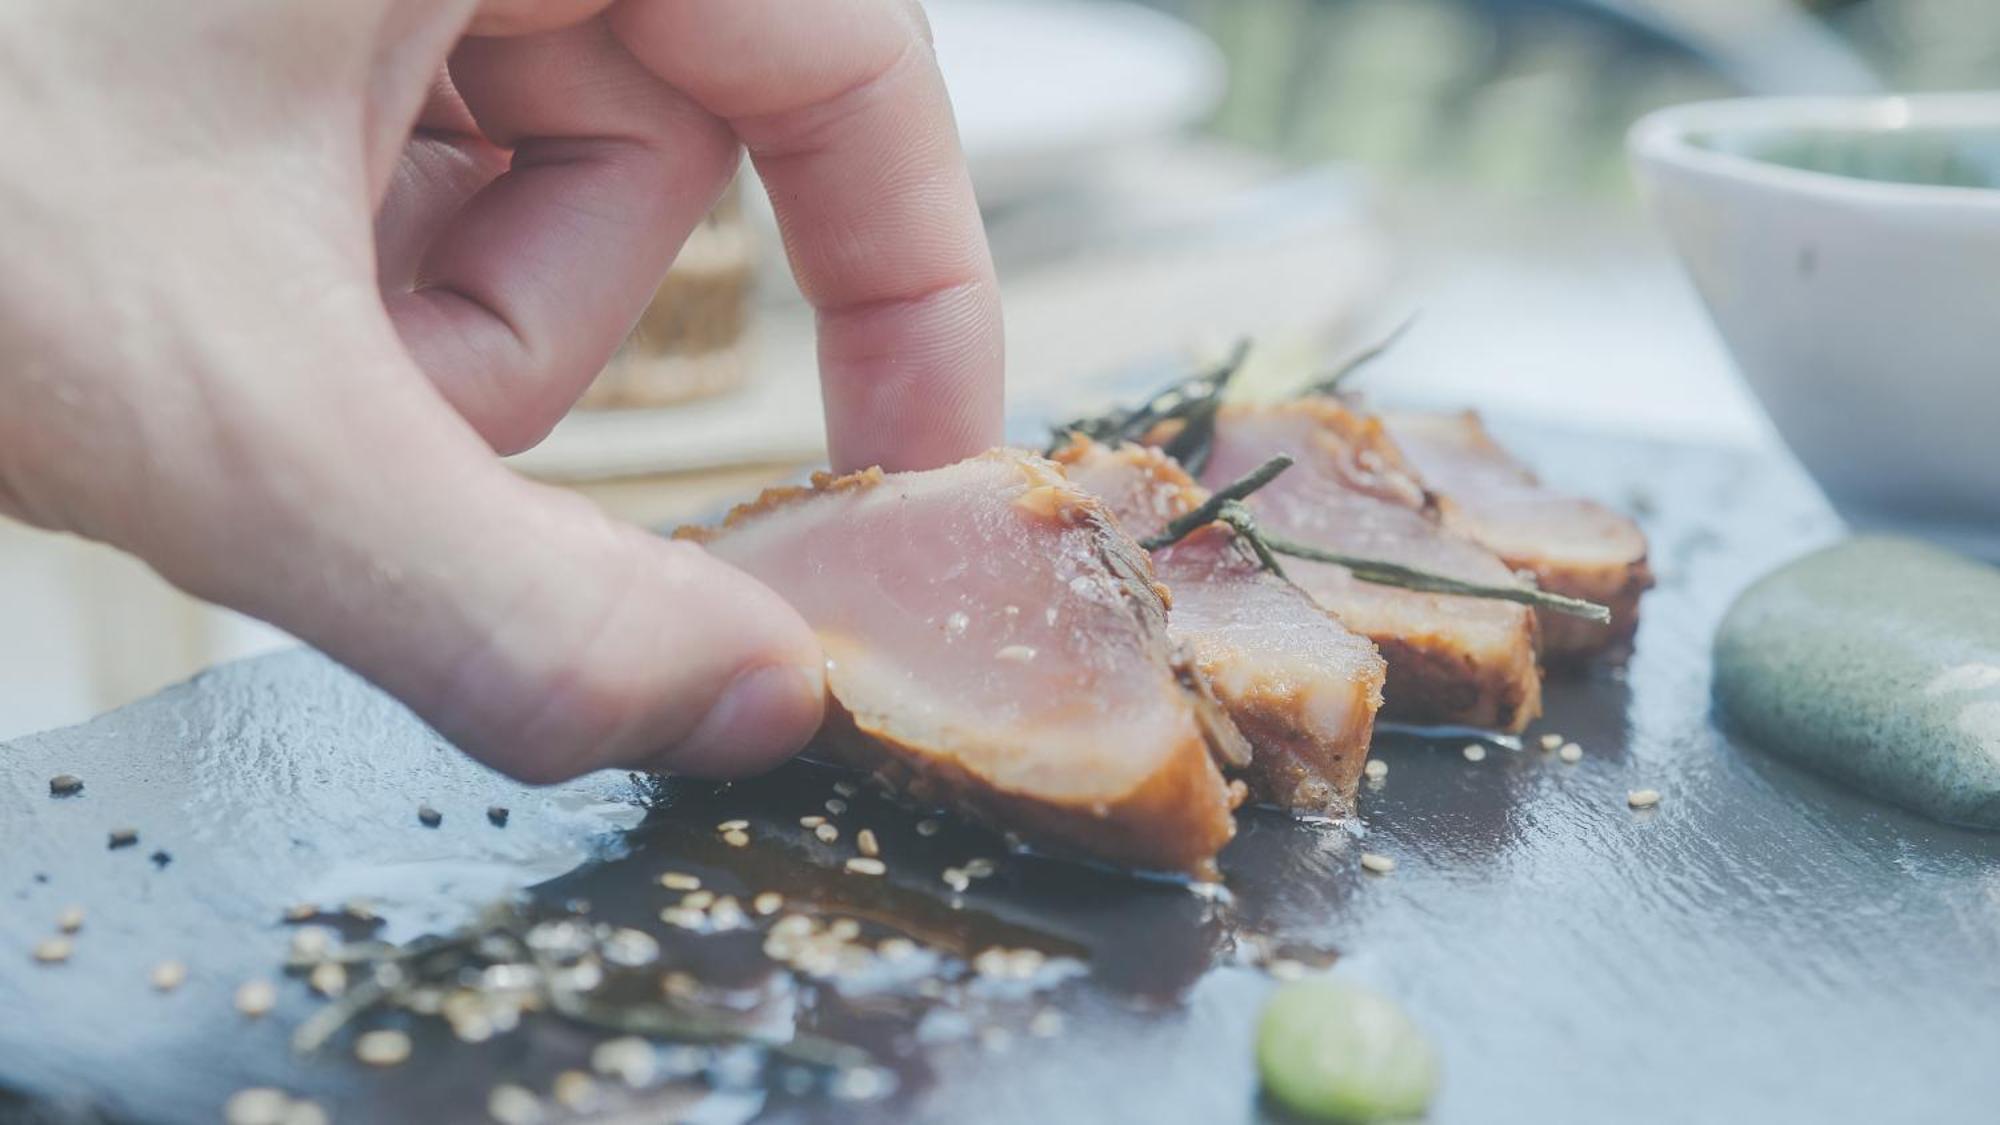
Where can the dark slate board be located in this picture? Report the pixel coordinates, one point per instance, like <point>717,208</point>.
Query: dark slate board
<point>1762,946</point>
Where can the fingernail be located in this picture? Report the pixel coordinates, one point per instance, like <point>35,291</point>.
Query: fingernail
<point>763,717</point>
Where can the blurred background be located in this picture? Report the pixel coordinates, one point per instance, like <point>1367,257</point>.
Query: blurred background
<point>1158,179</point>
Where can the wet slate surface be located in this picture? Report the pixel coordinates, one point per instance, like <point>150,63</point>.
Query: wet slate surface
<point>1762,946</point>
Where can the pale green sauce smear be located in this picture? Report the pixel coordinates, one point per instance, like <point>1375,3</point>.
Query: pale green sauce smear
<point>1876,662</point>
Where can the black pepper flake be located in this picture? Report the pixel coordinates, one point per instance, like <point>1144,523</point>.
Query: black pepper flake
<point>497,814</point>
<point>161,858</point>
<point>124,837</point>
<point>65,785</point>
<point>430,817</point>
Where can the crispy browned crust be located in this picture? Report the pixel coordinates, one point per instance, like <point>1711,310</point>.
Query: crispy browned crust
<point>1174,821</point>
<point>1290,764</point>
<point>1566,642</point>
<point>1183,495</point>
<point>1298,766</point>
<point>1149,599</point>
<point>1569,642</point>
<point>782,496</point>
<point>1432,683</point>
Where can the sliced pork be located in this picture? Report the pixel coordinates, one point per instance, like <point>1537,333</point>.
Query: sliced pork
<point>1300,686</point>
<point>1453,660</point>
<point>995,642</point>
<point>1572,546</point>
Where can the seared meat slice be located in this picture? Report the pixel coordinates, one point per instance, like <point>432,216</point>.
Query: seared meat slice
<point>1452,659</point>
<point>1300,686</point>
<point>995,642</point>
<point>1572,546</point>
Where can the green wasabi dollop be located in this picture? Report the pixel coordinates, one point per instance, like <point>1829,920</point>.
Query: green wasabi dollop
<point>1332,1051</point>
<point>1877,662</point>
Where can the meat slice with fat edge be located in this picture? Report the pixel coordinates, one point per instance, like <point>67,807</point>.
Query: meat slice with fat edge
<point>1302,687</point>
<point>1572,546</point>
<point>1453,660</point>
<point>996,643</point>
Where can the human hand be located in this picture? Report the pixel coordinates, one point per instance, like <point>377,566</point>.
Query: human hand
<point>274,293</point>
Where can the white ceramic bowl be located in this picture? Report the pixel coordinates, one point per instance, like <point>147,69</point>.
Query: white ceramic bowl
<point>1863,309</point>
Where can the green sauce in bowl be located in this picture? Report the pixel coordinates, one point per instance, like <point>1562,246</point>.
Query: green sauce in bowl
<point>1968,158</point>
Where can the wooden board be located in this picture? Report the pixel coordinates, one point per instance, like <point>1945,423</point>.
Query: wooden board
<point>1762,946</point>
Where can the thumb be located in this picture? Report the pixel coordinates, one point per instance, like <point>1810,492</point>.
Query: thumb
<point>538,634</point>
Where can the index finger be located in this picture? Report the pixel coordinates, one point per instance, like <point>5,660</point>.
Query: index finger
<point>845,115</point>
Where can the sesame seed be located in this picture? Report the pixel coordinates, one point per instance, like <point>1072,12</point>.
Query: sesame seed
<point>509,1104</point>
<point>1238,792</point>
<point>860,1084</point>
<point>835,805</point>
<point>497,815</point>
<point>827,833</point>
<point>1643,798</point>
<point>328,978</point>
<point>65,785</point>
<point>429,817</point>
<point>53,951</point>
<point>256,1105</point>
<point>304,1113</point>
<point>124,837</point>
<point>169,975</point>
<point>575,1089</point>
<point>628,948</point>
<point>1571,753</point>
<point>1474,752</point>
<point>678,881</point>
<point>865,840</point>
<point>1025,963</point>
<point>793,925</point>
<point>813,821</point>
<point>359,909</point>
<point>684,918</point>
<point>1552,741</point>
<point>1376,769</point>
<point>254,998</point>
<point>863,865</point>
<point>844,930</point>
<point>698,900</point>
<point>736,839</point>
<point>732,826</point>
<point>928,827</point>
<point>846,788</point>
<point>896,948</point>
<point>956,879</point>
<point>726,914</point>
<point>383,1048</point>
<point>627,1058</point>
<point>770,902</point>
<point>310,943</point>
<point>1284,968</point>
<point>301,911</point>
<point>979,868</point>
<point>1015,654</point>
<point>70,920</point>
<point>1378,864</point>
